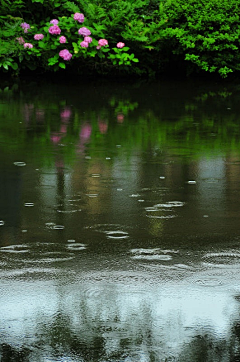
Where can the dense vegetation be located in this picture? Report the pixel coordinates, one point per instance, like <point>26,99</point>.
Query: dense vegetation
<point>120,36</point>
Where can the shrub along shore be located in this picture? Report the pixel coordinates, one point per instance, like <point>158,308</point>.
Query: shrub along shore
<point>120,37</point>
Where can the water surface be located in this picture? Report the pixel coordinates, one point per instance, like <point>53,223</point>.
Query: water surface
<point>119,222</point>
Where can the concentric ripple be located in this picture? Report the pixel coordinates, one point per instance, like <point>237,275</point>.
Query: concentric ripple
<point>158,211</point>
<point>117,234</point>
<point>222,258</point>
<point>155,254</point>
<point>15,249</point>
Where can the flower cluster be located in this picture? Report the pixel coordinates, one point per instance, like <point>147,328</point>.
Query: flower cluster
<point>102,43</point>
<point>120,45</point>
<point>54,22</point>
<point>28,45</point>
<point>84,31</point>
<point>79,17</point>
<point>65,54</point>
<point>84,44</point>
<point>25,26</point>
<point>54,30</point>
<point>38,36</point>
<point>62,39</point>
<point>20,40</point>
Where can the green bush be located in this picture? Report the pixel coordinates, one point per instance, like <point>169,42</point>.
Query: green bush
<point>205,32</point>
<point>194,35</point>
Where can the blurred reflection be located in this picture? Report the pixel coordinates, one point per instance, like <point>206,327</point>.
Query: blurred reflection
<point>101,317</point>
<point>120,235</point>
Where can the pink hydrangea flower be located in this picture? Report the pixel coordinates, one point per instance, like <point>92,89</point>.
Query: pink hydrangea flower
<point>102,42</point>
<point>120,45</point>
<point>20,40</point>
<point>25,26</point>
<point>38,36</point>
<point>65,54</point>
<point>28,45</point>
<point>62,39</point>
<point>54,22</point>
<point>54,30</point>
<point>84,31</point>
<point>84,44</point>
<point>79,17</point>
<point>98,47</point>
<point>88,39</point>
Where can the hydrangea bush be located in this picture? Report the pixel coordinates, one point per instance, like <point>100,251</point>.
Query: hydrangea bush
<point>59,41</point>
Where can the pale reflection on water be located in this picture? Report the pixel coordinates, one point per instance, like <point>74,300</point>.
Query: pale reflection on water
<point>119,224</point>
<point>138,315</point>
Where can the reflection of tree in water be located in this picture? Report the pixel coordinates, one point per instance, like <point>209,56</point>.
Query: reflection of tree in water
<point>58,340</point>
<point>93,340</point>
<point>209,348</point>
<point>11,354</point>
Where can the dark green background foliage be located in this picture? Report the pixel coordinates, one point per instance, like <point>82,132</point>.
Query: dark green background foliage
<point>187,36</point>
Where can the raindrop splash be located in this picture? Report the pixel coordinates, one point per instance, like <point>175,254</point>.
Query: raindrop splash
<point>19,163</point>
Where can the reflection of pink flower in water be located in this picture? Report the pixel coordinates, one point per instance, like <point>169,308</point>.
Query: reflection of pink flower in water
<point>66,114</point>
<point>85,132</point>
<point>120,118</point>
<point>55,137</point>
<point>28,111</point>
<point>63,128</point>
<point>84,136</point>
<point>40,114</point>
<point>103,126</point>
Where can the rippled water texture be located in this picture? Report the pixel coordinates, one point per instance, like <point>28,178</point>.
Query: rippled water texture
<point>119,222</point>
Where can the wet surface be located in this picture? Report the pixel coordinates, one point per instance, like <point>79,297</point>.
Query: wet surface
<point>119,223</point>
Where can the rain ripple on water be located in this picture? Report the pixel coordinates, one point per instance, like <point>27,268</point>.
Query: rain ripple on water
<point>155,254</point>
<point>19,163</point>
<point>15,249</point>
<point>220,259</point>
<point>117,234</point>
<point>158,211</point>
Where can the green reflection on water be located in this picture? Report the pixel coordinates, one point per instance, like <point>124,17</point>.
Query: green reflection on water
<point>86,119</point>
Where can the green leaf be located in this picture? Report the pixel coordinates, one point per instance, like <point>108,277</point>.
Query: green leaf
<point>62,65</point>
<point>14,66</point>
<point>31,66</point>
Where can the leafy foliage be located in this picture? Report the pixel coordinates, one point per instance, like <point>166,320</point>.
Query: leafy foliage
<point>206,33</point>
<point>195,35</point>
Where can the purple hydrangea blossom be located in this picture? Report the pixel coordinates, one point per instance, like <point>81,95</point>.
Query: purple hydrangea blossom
<point>62,39</point>
<point>28,45</point>
<point>84,31</point>
<point>38,36</point>
<point>54,30</point>
<point>102,42</point>
<point>65,54</point>
<point>25,26</point>
<point>84,44</point>
<point>54,22</point>
<point>88,39</point>
<point>120,45</point>
<point>20,40</point>
<point>79,17</point>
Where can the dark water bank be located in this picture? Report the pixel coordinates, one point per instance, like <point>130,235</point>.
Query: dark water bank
<point>119,222</point>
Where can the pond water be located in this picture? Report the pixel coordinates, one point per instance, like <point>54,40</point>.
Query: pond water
<point>119,222</point>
